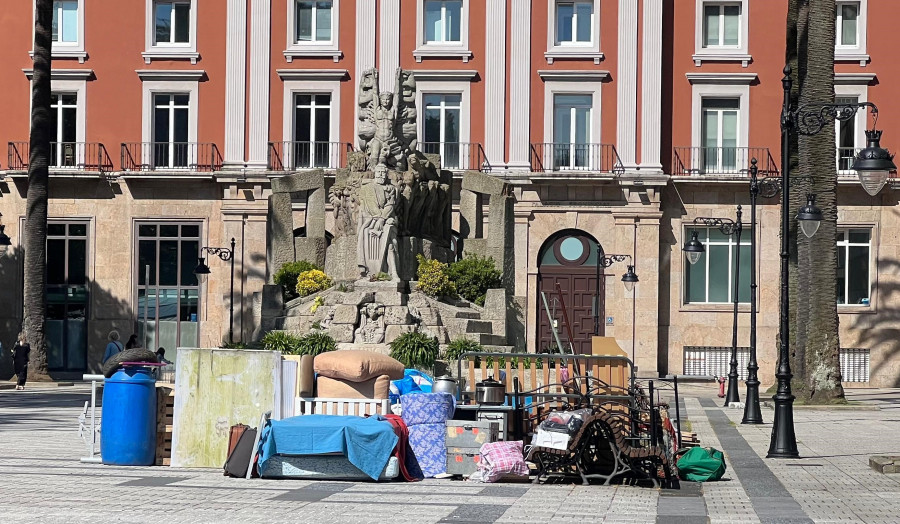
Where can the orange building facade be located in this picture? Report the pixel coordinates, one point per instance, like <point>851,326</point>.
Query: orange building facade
<point>616,122</point>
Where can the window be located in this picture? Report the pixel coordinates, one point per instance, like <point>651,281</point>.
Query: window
<point>312,128</point>
<point>67,295</point>
<point>443,21</point>
<point>711,279</point>
<point>719,130</point>
<point>169,300</point>
<point>572,131</point>
<point>846,137</point>
<point>574,23</point>
<point>172,23</point>
<point>170,131</point>
<point>64,30</point>
<point>64,149</point>
<point>847,24</point>
<point>313,21</point>
<point>853,277</point>
<point>441,130</point>
<point>721,25</point>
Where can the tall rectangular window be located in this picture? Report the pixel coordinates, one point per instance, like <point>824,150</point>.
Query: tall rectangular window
<point>574,22</point>
<point>312,130</point>
<point>168,304</point>
<point>313,24</point>
<point>172,22</point>
<point>721,25</point>
<point>853,258</point>
<point>441,129</point>
<point>63,124</point>
<point>720,121</point>
<point>65,22</point>
<point>711,279</point>
<point>572,116</point>
<point>847,24</point>
<point>846,137</point>
<point>67,295</point>
<point>170,130</point>
<point>443,20</point>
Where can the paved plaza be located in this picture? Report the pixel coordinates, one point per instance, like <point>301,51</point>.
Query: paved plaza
<point>44,481</point>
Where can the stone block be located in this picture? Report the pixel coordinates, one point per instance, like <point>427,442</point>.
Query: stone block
<point>297,182</point>
<point>494,305</point>
<point>279,233</point>
<point>356,161</point>
<point>272,300</point>
<point>340,262</point>
<point>384,349</point>
<point>345,314</point>
<point>341,332</point>
<point>394,315</point>
<point>311,249</point>
<point>486,184</point>
<point>315,214</point>
<point>392,332</point>
<point>429,316</point>
<point>391,298</point>
<point>438,332</point>
<point>416,298</point>
<point>382,285</point>
<point>434,158</point>
<point>353,298</point>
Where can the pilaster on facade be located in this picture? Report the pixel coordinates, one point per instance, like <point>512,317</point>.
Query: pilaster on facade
<point>389,48</point>
<point>235,84</point>
<point>495,83</point>
<point>260,42</point>
<point>520,86</point>
<point>626,128</point>
<point>365,48</point>
<point>651,87</point>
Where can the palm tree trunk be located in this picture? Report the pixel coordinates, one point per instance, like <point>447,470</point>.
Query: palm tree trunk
<point>35,303</point>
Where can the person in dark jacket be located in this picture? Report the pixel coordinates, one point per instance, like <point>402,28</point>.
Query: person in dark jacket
<point>21,354</point>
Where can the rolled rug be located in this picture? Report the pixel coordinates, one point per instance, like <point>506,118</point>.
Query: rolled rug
<point>427,408</point>
<point>428,442</point>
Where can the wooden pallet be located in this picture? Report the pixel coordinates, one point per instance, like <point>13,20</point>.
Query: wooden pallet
<point>165,407</point>
<point>689,440</point>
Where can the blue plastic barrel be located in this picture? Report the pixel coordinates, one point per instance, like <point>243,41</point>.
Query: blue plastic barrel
<point>128,423</point>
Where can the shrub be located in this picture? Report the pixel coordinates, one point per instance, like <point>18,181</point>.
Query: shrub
<point>381,277</point>
<point>282,341</point>
<point>473,276</point>
<point>433,278</point>
<point>415,350</point>
<point>459,346</point>
<point>286,276</point>
<point>315,343</point>
<point>312,281</point>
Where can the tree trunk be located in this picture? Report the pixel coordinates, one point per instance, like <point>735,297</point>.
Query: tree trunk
<point>815,348</point>
<point>36,212</point>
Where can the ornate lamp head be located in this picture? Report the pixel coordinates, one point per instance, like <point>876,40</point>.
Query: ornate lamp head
<point>810,216</point>
<point>873,163</point>
<point>693,249</point>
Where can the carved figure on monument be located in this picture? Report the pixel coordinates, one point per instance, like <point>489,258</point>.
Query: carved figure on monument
<point>371,325</point>
<point>377,226</point>
<point>387,126</point>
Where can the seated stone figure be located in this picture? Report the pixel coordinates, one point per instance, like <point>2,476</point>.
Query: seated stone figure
<point>377,227</point>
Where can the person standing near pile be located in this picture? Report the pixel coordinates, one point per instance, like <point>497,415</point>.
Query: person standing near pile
<point>21,354</point>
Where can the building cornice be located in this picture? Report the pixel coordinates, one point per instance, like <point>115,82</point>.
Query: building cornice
<point>313,74</point>
<point>64,74</point>
<point>445,74</point>
<point>162,75</point>
<point>573,76</point>
<point>721,78</point>
<point>853,78</point>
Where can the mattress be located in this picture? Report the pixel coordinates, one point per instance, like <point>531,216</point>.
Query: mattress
<point>322,467</point>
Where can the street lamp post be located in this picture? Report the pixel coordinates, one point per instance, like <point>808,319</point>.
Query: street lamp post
<point>752,413</point>
<point>202,271</point>
<point>629,279</point>
<point>693,250</point>
<point>872,165</point>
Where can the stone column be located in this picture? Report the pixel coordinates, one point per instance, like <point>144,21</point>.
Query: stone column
<point>279,234</point>
<point>235,82</point>
<point>260,52</point>
<point>626,129</point>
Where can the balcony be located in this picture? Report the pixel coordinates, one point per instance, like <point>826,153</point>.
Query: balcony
<point>293,156</point>
<point>458,156</point>
<point>722,161</point>
<point>845,158</point>
<point>567,158</point>
<point>171,157</point>
<point>65,157</point>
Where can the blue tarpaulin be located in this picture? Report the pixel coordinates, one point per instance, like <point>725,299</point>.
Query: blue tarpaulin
<point>366,442</point>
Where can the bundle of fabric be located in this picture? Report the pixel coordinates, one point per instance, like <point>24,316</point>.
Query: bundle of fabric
<point>426,416</point>
<point>499,459</point>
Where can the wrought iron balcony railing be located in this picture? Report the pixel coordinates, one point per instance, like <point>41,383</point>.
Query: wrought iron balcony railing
<point>458,156</point>
<point>171,156</point>
<point>291,156</point>
<point>64,156</point>
<point>722,161</point>
<point>564,157</point>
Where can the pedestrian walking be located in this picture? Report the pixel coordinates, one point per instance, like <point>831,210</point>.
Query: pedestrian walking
<point>113,347</point>
<point>132,342</point>
<point>21,354</point>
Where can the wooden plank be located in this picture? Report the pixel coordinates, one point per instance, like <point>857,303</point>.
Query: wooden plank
<point>508,380</point>
<point>534,377</point>
<point>470,378</point>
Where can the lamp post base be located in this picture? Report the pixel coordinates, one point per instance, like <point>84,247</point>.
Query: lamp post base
<point>752,413</point>
<point>732,395</point>
<point>784,442</point>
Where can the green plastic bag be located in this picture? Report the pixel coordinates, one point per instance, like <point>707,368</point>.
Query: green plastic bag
<point>701,465</point>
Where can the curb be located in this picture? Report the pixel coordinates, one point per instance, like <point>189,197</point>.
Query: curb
<point>828,407</point>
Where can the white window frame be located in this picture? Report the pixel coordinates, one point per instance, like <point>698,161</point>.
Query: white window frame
<point>296,49</point>
<point>720,85</point>
<point>444,87</point>
<point>573,50</point>
<point>311,87</point>
<point>739,53</point>
<point>169,51</point>
<point>587,86</point>
<point>64,49</point>
<point>844,53</point>
<point>719,129</point>
<point>845,245</point>
<point>442,49</point>
<point>79,87</point>
<point>188,86</point>
<point>443,110</point>
<point>729,241</point>
<point>860,92</point>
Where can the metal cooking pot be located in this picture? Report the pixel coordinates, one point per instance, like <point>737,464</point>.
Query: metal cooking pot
<point>490,392</point>
<point>445,384</point>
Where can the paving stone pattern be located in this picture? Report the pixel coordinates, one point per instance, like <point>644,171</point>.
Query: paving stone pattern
<point>44,481</point>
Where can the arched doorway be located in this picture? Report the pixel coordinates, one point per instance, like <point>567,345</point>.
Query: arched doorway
<point>568,258</point>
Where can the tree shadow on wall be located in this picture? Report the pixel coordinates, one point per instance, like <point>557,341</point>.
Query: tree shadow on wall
<point>882,329</point>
